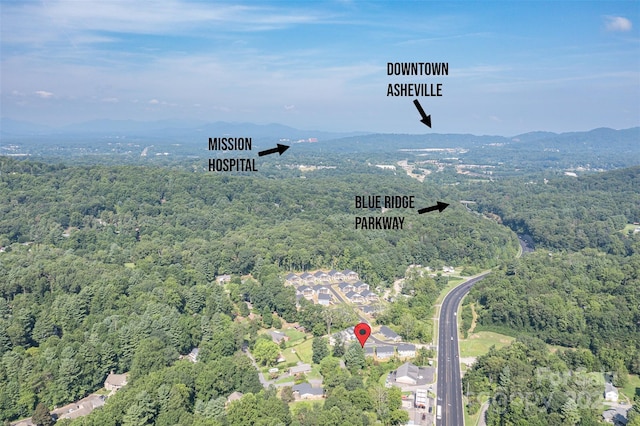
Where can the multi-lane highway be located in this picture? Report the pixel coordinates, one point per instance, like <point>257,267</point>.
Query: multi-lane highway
<point>449,383</point>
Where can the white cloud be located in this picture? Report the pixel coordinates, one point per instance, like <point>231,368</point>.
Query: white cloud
<point>154,102</point>
<point>43,94</point>
<point>110,100</point>
<point>76,23</point>
<point>289,107</point>
<point>617,23</point>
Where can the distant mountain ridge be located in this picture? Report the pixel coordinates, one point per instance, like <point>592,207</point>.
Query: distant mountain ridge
<point>201,128</point>
<point>164,128</point>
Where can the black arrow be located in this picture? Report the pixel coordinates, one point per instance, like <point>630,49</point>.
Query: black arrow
<point>426,119</point>
<point>440,206</point>
<point>280,149</point>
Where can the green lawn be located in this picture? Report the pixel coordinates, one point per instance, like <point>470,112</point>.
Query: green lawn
<point>479,343</point>
<point>315,372</point>
<point>470,420</point>
<point>303,350</point>
<point>294,336</point>
<point>285,378</point>
<point>629,228</point>
<point>290,356</point>
<point>632,386</point>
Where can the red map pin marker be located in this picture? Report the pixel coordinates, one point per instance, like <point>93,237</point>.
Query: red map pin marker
<point>362,332</point>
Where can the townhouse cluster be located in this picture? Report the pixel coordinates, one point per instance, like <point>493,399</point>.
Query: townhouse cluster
<point>317,287</point>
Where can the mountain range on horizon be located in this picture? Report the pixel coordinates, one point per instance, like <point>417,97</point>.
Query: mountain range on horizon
<point>10,128</point>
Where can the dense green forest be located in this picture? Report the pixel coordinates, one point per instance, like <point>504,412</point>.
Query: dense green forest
<point>580,290</point>
<point>113,268</point>
<point>121,215</point>
<point>584,299</point>
<point>530,386</point>
<point>563,212</point>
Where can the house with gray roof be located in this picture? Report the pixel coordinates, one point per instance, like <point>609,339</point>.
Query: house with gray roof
<point>306,291</point>
<point>346,288</point>
<point>300,369</point>
<point>308,278</point>
<point>369,296</point>
<point>292,278</point>
<point>336,275</point>
<point>406,350</point>
<point>278,337</point>
<point>360,286</point>
<point>407,374</point>
<point>610,393</point>
<point>347,336</point>
<point>616,415</point>
<point>321,289</point>
<point>385,351</point>
<point>306,391</point>
<point>350,275</point>
<point>389,334</point>
<point>355,297</point>
<point>319,276</point>
<point>324,299</point>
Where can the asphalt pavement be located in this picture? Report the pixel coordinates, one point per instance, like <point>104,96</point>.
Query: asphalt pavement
<point>449,387</point>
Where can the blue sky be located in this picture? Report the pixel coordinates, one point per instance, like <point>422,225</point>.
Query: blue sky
<point>513,66</point>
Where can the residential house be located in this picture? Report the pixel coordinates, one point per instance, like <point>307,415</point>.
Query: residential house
<point>306,291</point>
<point>233,397</point>
<point>221,279</point>
<point>355,297</point>
<point>278,337</point>
<point>335,275</point>
<point>369,296</point>
<point>193,355</point>
<point>292,279</point>
<point>324,299</point>
<point>300,369</point>
<point>616,415</point>
<point>389,334</point>
<point>346,288</point>
<point>407,374</point>
<point>115,381</point>
<point>80,408</point>
<point>321,289</point>
<point>321,276</point>
<point>370,310</point>
<point>610,393</point>
<point>307,278</point>
<point>448,269</point>
<point>306,391</point>
<point>369,351</point>
<point>346,335</point>
<point>349,275</point>
<point>385,351</point>
<point>360,286</point>
<point>406,350</point>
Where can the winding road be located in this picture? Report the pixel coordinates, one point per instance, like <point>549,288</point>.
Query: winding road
<point>449,381</point>
<point>449,387</point>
